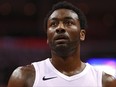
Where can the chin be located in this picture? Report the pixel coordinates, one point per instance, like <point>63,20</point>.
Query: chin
<point>62,50</point>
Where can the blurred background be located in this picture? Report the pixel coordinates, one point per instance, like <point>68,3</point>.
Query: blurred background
<point>23,40</point>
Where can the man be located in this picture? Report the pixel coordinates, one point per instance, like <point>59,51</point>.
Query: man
<point>65,26</point>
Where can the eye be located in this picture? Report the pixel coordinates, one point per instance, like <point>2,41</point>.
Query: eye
<point>68,23</point>
<point>53,24</point>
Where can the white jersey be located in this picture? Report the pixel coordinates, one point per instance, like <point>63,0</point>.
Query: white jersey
<point>46,75</point>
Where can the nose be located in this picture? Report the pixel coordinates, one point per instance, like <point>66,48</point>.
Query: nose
<point>60,28</point>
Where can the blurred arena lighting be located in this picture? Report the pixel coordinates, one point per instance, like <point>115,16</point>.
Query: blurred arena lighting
<point>108,65</point>
<point>5,8</point>
<point>29,9</point>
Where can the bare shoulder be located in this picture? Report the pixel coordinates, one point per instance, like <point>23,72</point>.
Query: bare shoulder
<point>107,80</point>
<point>22,77</point>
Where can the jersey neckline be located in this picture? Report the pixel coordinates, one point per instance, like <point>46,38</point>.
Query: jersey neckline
<point>69,78</point>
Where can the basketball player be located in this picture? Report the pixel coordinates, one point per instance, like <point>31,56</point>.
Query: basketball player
<point>65,26</point>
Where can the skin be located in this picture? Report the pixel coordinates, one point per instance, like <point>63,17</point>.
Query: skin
<point>63,36</point>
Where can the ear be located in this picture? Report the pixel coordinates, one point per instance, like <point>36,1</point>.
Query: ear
<point>47,41</point>
<point>82,34</point>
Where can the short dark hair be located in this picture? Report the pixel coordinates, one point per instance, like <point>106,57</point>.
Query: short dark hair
<point>67,5</point>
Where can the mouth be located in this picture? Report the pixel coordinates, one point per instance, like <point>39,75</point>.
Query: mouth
<point>61,39</point>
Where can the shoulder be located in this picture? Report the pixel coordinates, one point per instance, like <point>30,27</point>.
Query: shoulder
<point>107,79</point>
<point>22,77</point>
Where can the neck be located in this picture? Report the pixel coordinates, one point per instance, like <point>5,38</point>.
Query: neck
<point>69,65</point>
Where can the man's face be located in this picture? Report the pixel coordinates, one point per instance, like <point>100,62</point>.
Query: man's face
<point>63,29</point>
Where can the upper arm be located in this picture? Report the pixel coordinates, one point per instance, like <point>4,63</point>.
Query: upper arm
<point>22,77</point>
<point>107,80</point>
<point>113,84</point>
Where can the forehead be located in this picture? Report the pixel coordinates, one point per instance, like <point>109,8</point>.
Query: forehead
<point>62,13</point>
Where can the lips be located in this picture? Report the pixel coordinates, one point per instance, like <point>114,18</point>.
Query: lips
<point>60,39</point>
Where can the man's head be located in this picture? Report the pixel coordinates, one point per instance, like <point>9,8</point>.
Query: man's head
<point>64,30</point>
